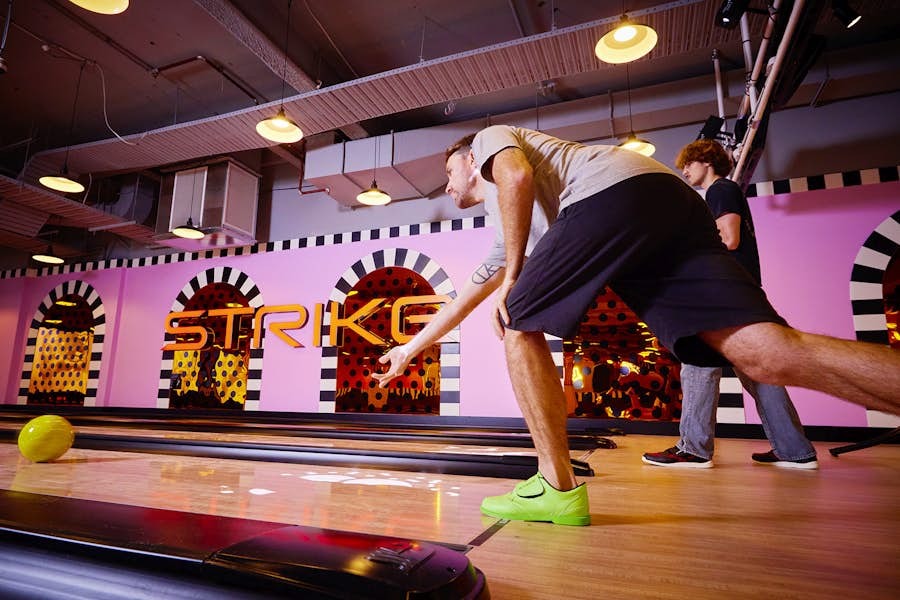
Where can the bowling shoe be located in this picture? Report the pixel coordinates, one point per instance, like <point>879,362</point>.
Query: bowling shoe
<point>536,500</point>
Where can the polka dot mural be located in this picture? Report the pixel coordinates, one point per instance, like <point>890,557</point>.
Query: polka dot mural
<point>418,389</point>
<point>431,384</point>
<point>227,373</point>
<point>216,376</point>
<point>615,368</point>
<point>64,348</point>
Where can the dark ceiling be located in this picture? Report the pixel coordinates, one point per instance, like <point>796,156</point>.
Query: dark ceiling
<point>166,63</point>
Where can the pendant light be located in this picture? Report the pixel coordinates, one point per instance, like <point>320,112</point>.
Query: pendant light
<point>627,42</point>
<point>373,196</point>
<point>104,7</point>
<point>188,231</point>
<point>48,257</point>
<point>639,145</point>
<point>61,182</point>
<point>280,128</point>
<point>633,142</point>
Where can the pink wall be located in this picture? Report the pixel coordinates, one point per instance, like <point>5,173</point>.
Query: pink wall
<point>808,242</point>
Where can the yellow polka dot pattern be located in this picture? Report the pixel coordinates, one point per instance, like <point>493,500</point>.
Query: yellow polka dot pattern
<point>230,377</point>
<point>61,361</point>
<point>185,366</point>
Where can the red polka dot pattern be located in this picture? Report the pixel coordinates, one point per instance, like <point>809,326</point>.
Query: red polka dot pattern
<point>616,368</point>
<point>418,390</point>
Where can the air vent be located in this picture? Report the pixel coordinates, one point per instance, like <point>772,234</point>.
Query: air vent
<point>220,198</point>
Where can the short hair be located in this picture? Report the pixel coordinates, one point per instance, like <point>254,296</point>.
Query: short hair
<point>463,145</point>
<point>707,151</point>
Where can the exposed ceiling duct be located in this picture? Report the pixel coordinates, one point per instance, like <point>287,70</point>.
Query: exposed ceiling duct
<point>523,62</point>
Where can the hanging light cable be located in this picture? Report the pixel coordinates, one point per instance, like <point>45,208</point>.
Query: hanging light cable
<point>188,231</point>
<point>633,142</point>
<point>280,128</point>
<point>627,42</point>
<point>61,182</point>
<point>374,196</point>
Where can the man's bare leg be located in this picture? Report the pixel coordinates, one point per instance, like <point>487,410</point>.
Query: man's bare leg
<point>541,400</point>
<point>860,372</point>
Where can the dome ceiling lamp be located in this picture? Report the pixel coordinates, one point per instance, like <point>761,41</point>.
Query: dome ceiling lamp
<point>104,7</point>
<point>374,196</point>
<point>48,257</point>
<point>188,231</point>
<point>629,41</point>
<point>61,182</point>
<point>280,128</point>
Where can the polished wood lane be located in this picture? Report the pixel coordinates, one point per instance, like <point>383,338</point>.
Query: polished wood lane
<point>738,530</point>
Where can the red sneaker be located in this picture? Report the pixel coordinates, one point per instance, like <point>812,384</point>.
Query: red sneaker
<point>673,457</point>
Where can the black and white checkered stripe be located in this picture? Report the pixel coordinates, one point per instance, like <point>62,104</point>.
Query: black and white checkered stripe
<point>292,244</point>
<point>439,281</point>
<point>867,294</point>
<point>90,295</point>
<point>829,181</point>
<point>250,291</point>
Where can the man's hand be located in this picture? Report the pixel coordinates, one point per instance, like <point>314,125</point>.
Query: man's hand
<point>399,358</point>
<point>501,316</point>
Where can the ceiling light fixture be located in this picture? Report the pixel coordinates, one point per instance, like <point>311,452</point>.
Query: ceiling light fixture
<point>730,12</point>
<point>280,128</point>
<point>633,142</point>
<point>188,231</point>
<point>844,13</point>
<point>374,196</point>
<point>104,7</point>
<point>48,257</point>
<point>61,182</point>
<point>627,42</point>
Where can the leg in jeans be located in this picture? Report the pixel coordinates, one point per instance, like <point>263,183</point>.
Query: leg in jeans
<point>779,419</point>
<point>700,398</point>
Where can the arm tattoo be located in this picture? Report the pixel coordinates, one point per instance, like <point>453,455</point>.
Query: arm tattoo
<point>484,272</point>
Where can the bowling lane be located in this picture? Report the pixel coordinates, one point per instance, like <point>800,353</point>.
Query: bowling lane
<point>431,455</point>
<point>413,445</point>
<point>441,508</point>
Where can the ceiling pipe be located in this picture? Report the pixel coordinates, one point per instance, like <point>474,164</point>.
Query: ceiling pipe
<point>748,104</point>
<point>233,79</point>
<point>771,80</point>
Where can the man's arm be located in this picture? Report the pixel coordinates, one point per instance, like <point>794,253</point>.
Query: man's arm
<point>729,226</point>
<point>512,174</point>
<point>484,280</point>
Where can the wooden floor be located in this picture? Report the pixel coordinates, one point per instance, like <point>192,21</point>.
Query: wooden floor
<point>738,530</point>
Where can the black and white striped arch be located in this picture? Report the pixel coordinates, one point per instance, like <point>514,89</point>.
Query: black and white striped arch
<point>867,294</point>
<point>439,281</point>
<point>90,295</point>
<point>250,291</point>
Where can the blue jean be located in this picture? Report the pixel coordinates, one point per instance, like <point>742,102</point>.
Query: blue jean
<point>700,389</point>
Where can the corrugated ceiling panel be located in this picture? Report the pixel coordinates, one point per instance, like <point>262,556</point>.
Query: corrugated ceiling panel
<point>518,63</point>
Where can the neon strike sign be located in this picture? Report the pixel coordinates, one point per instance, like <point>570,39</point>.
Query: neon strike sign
<point>354,322</point>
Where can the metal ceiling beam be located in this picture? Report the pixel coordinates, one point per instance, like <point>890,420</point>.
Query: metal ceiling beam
<point>517,63</point>
<point>270,54</point>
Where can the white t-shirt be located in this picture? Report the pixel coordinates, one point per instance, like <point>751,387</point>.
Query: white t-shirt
<point>540,222</point>
<point>564,172</point>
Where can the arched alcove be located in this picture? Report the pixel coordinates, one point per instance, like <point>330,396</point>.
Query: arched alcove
<point>65,347</point>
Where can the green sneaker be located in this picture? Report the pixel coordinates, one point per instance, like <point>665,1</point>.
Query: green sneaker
<point>536,500</point>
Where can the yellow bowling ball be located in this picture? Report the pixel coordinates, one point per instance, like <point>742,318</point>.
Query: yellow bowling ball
<point>45,438</point>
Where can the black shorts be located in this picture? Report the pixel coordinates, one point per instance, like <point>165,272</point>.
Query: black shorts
<point>652,239</point>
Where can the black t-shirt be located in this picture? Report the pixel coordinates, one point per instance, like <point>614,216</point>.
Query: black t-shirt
<point>724,196</point>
